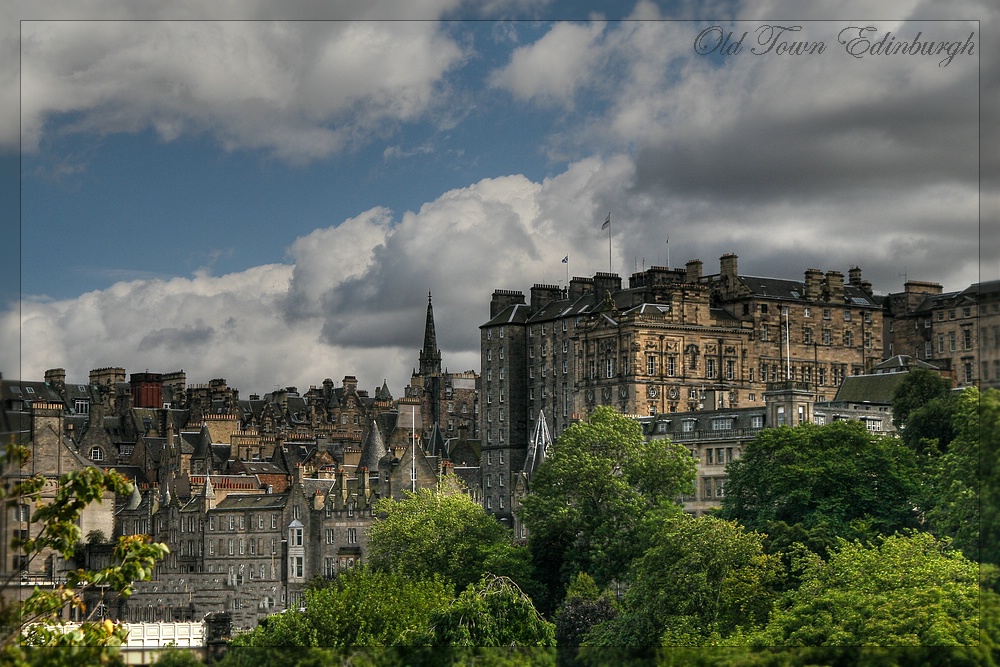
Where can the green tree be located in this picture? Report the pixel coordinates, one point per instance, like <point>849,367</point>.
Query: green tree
<point>989,479</point>
<point>27,625</point>
<point>443,532</point>
<point>362,607</point>
<point>907,590</point>
<point>918,388</point>
<point>493,613</point>
<point>590,501</point>
<point>837,477</point>
<point>583,608</point>
<point>702,580</point>
<point>954,481</point>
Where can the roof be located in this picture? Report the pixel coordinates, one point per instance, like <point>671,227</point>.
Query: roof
<point>257,501</point>
<point>515,314</point>
<point>878,388</point>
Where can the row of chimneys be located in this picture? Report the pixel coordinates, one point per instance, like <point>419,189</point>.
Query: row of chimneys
<point>816,285</point>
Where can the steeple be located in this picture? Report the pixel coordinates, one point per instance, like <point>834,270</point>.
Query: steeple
<point>430,356</point>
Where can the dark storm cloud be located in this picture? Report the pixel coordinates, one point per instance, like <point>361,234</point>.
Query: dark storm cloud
<point>177,339</point>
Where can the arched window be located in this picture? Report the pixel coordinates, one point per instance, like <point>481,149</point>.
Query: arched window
<point>96,454</point>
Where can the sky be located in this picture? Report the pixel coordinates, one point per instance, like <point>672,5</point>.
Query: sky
<point>267,193</point>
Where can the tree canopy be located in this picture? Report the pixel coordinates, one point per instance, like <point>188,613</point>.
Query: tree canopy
<point>907,590</point>
<point>443,532</point>
<point>837,476</point>
<point>588,502</point>
<point>701,578</point>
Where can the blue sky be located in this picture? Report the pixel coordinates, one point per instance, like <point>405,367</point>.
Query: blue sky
<point>270,202</point>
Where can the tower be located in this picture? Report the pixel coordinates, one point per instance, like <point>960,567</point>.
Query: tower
<point>430,356</point>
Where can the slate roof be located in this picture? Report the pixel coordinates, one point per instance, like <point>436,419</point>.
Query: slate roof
<point>515,314</point>
<point>878,388</point>
<point>257,501</point>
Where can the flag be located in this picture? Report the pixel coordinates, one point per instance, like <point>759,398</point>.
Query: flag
<point>565,259</point>
<point>607,222</point>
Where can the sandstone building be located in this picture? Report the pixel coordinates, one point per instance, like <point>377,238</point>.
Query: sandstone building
<point>674,340</point>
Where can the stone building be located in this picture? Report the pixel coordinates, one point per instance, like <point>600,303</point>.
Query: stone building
<point>674,340</point>
<point>33,414</point>
<point>448,400</point>
<point>715,437</point>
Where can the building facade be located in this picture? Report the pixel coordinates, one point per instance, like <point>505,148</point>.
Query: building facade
<point>674,340</point>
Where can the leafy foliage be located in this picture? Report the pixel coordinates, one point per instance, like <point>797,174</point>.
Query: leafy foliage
<point>35,621</point>
<point>954,484</point>
<point>494,612</point>
<point>909,590</point>
<point>918,388</point>
<point>583,608</point>
<point>589,501</point>
<point>362,607</point>
<point>702,579</point>
<point>443,532</point>
<point>839,476</point>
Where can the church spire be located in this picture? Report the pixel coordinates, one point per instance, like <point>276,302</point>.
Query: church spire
<point>430,356</point>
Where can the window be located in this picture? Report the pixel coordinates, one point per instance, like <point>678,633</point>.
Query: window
<point>81,406</point>
<point>96,454</point>
<point>232,522</point>
<point>806,312</point>
<point>231,546</point>
<point>807,335</point>
<point>687,425</point>
<point>329,535</point>
<point>274,521</point>
<point>763,308</point>
<point>352,535</point>
<point>260,522</point>
<point>295,537</point>
<point>847,316</point>
<point>710,368</point>
<point>967,312</point>
<point>827,336</point>
<point>243,524</point>
<point>849,339</point>
<point>757,421</point>
<point>730,369</point>
<point>764,331</point>
<point>298,566</point>
<point>951,341</point>
<point>721,424</point>
<point>22,513</point>
<point>501,331</point>
<point>826,313</point>
<point>781,415</point>
<point>609,367</point>
<point>967,338</point>
<point>501,352</point>
<point>671,365</point>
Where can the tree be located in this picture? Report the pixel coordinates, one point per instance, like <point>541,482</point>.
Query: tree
<point>589,501</point>
<point>362,607</point>
<point>443,532</point>
<point>839,477</point>
<point>583,608</point>
<point>918,388</point>
<point>701,580</point>
<point>493,613</point>
<point>906,590</point>
<point>954,483</point>
<point>36,621</point>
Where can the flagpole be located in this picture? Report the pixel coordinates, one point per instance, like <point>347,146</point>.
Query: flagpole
<point>610,266</point>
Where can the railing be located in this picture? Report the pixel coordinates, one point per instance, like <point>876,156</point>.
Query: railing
<point>724,434</point>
